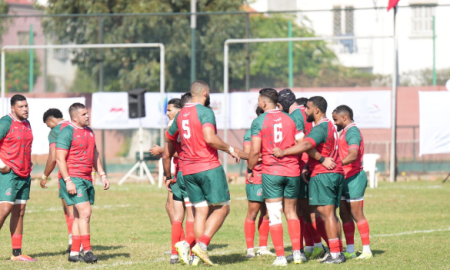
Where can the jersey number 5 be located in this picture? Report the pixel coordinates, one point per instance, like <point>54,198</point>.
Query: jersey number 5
<point>187,130</point>
<point>277,132</point>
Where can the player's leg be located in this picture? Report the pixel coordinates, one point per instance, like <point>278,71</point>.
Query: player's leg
<point>177,221</point>
<point>7,196</point>
<point>291,194</point>
<point>357,187</point>
<point>74,255</point>
<point>17,216</point>
<point>263,231</point>
<point>349,228</point>
<point>273,192</point>
<point>169,206</point>
<point>68,212</point>
<point>249,226</point>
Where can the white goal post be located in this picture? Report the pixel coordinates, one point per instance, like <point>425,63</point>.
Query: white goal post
<point>267,40</point>
<point>92,46</point>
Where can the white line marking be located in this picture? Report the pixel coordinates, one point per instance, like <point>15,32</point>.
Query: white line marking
<point>413,232</point>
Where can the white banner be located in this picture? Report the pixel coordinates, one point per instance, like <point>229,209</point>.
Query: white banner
<point>434,122</point>
<point>37,108</point>
<point>372,109</point>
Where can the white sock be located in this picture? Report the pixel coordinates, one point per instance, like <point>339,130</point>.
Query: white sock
<point>81,247</point>
<point>70,239</point>
<point>263,247</point>
<point>351,248</point>
<point>334,255</point>
<point>318,245</point>
<point>309,249</point>
<point>251,250</point>
<point>74,253</point>
<point>366,249</point>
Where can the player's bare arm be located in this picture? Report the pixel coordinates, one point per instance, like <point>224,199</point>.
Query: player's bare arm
<point>169,151</point>
<point>255,150</point>
<point>156,150</point>
<point>49,166</point>
<point>99,168</point>
<point>352,156</point>
<point>62,165</point>
<point>327,162</point>
<point>297,149</point>
<point>215,142</point>
<point>4,168</point>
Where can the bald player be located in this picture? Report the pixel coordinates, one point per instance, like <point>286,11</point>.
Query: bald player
<point>204,177</point>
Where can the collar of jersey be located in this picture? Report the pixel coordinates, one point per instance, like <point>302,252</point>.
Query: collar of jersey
<point>273,111</point>
<point>192,104</point>
<point>349,126</point>
<point>15,119</point>
<point>75,126</point>
<point>62,121</point>
<point>322,121</point>
<point>297,108</point>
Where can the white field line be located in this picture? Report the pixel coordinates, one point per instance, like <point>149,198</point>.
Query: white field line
<point>413,232</point>
<point>93,207</point>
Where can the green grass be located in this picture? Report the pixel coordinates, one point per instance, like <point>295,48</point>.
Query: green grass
<point>409,226</point>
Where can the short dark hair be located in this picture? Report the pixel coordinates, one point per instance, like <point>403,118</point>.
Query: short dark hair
<point>301,101</point>
<point>176,102</point>
<point>56,113</point>
<point>344,109</point>
<point>259,111</point>
<point>75,107</point>
<point>270,93</point>
<point>185,98</point>
<point>320,103</point>
<point>17,97</point>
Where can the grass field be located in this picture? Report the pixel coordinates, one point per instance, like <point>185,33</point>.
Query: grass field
<point>409,226</point>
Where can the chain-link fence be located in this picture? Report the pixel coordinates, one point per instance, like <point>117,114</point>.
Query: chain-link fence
<point>352,64</point>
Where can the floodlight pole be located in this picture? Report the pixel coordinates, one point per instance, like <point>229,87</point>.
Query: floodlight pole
<point>261,40</point>
<point>95,46</point>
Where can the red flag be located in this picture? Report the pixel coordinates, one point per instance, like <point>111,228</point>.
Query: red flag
<point>392,3</point>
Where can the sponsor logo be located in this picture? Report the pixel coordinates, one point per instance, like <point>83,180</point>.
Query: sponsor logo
<point>116,110</point>
<point>278,119</point>
<point>8,192</point>
<point>186,114</point>
<point>373,108</point>
<point>80,193</point>
<point>259,192</point>
<point>92,134</point>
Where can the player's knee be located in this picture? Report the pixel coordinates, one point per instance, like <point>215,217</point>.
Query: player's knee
<point>274,211</point>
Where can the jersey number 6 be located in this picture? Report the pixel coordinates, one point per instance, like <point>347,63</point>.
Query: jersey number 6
<point>277,132</point>
<point>187,133</point>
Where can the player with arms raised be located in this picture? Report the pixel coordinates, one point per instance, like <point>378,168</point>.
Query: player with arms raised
<point>325,186</point>
<point>203,175</point>
<point>15,167</point>
<point>351,151</point>
<point>76,154</point>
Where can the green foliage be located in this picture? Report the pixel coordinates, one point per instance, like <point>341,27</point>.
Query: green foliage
<point>4,22</point>
<point>17,71</point>
<point>83,83</point>
<point>424,77</point>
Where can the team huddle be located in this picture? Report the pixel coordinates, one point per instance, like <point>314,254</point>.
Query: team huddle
<point>72,148</point>
<point>298,164</point>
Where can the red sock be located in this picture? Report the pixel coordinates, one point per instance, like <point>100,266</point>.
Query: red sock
<point>349,232</point>
<point>69,221</point>
<point>182,236</point>
<point>205,239</point>
<point>276,232</point>
<point>263,232</point>
<point>321,229</point>
<point>76,243</point>
<point>302,231</point>
<point>363,227</point>
<point>190,236</point>
<point>249,229</point>
<point>334,245</point>
<point>16,241</point>
<point>176,232</point>
<point>86,241</point>
<point>315,235</point>
<point>309,242</point>
<point>294,233</point>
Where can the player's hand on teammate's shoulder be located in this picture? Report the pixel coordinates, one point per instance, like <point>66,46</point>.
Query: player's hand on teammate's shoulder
<point>156,150</point>
<point>5,169</point>
<point>277,152</point>
<point>329,163</point>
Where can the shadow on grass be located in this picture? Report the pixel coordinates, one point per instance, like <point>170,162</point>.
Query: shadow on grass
<point>378,252</point>
<point>95,248</point>
<point>63,252</point>
<point>216,246</point>
<point>229,258</point>
<point>105,257</point>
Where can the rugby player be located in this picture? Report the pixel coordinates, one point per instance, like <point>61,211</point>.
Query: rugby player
<point>76,154</point>
<point>253,187</point>
<point>280,176</point>
<point>16,138</point>
<point>204,177</point>
<point>325,186</point>
<point>53,118</point>
<point>351,151</point>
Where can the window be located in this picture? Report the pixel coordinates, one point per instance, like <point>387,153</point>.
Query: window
<point>337,20</point>
<point>349,20</point>
<point>343,25</point>
<point>24,38</point>
<point>422,20</point>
